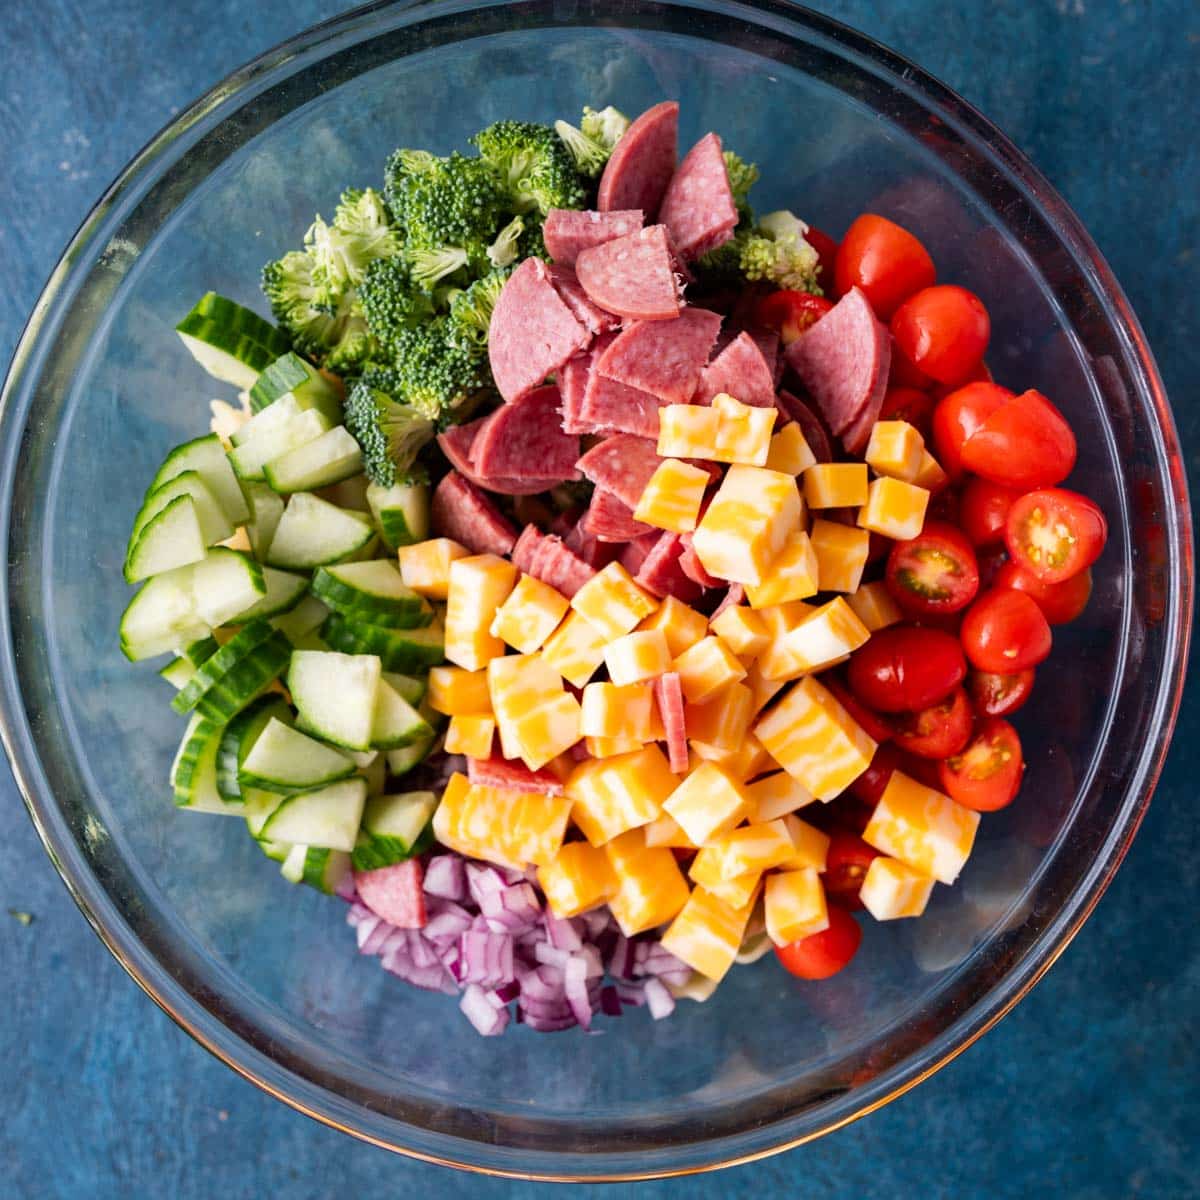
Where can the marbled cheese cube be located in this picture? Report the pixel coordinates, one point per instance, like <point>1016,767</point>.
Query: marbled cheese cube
<point>922,828</point>
<point>741,629</point>
<point>761,688</point>
<point>638,657</point>
<point>614,711</point>
<point>835,485</point>
<point>931,476</point>
<point>794,906</point>
<point>575,649</point>
<point>470,735</point>
<point>895,449</point>
<point>612,795</point>
<point>530,615</point>
<point>612,603</point>
<point>743,431</point>
<point>519,684</point>
<point>425,566</point>
<point>789,451</point>
<point>874,606</point>
<point>651,890</point>
<point>456,692</point>
<point>550,730</point>
<point>749,849</point>
<point>743,761</point>
<point>793,575</point>
<point>841,554</point>
<point>680,625</point>
<point>894,509</point>
<point>577,879</point>
<point>687,431</point>
<point>709,802</point>
<point>810,846</point>
<point>602,747</point>
<point>739,892</point>
<point>665,831</point>
<point>479,584</point>
<point>827,636</point>
<point>722,720</point>
<point>707,667</point>
<point>707,934</point>
<point>892,889</point>
<point>775,796</point>
<point>671,500</point>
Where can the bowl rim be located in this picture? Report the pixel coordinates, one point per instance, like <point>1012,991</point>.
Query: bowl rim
<point>14,725</point>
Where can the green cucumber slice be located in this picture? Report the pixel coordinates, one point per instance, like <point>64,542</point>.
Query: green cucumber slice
<point>257,807</point>
<point>161,617</point>
<point>283,759</point>
<point>292,375</point>
<point>292,865</point>
<point>325,870</point>
<point>410,687</point>
<point>266,507</point>
<point>206,456</point>
<point>284,591</point>
<point>249,457</point>
<point>237,673</point>
<point>335,695</point>
<point>373,592</point>
<point>407,757</point>
<point>170,539</point>
<point>240,735</point>
<point>230,342</point>
<point>401,513</point>
<point>271,421</point>
<point>375,774</point>
<point>201,650</point>
<point>391,828</point>
<point>313,533</point>
<point>405,650</point>
<point>226,583</point>
<point>178,672</point>
<point>304,619</point>
<point>396,722</point>
<point>214,524</point>
<point>327,817</point>
<point>326,460</point>
<point>194,771</point>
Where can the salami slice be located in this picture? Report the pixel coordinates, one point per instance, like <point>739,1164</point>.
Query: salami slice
<point>612,407</point>
<point>810,425</point>
<point>664,358</point>
<point>635,553</point>
<point>525,439</point>
<point>590,548</point>
<point>633,276</point>
<point>693,568</point>
<point>459,510</point>
<point>621,465</point>
<point>456,444</point>
<point>767,341</point>
<point>698,206</point>
<point>567,232</point>
<point>610,519</point>
<point>571,292</point>
<point>735,593</point>
<point>661,572</point>
<point>642,162</point>
<point>532,331</point>
<point>546,557</point>
<point>668,696</point>
<point>741,371</point>
<point>572,383</point>
<point>843,363</point>
<point>501,772</point>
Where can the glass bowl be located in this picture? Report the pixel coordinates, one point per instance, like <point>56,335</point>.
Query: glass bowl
<point>266,976</point>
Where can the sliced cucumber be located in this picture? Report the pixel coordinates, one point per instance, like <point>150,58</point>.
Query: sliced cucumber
<point>250,456</point>
<point>283,759</point>
<point>375,774</point>
<point>214,524</point>
<point>292,375</point>
<point>268,421</point>
<point>325,870</point>
<point>292,865</point>
<point>226,583</point>
<point>170,539</point>
<point>334,456</point>
<point>335,695</point>
<point>237,673</point>
<point>409,686</point>
<point>373,592</point>
<point>194,772</point>
<point>327,817</point>
<point>405,650</point>
<point>206,456</point>
<point>240,735</point>
<point>178,673</point>
<point>391,828</point>
<point>313,533</point>
<point>396,722</point>
<point>161,617</point>
<point>348,493</point>
<point>407,757</point>
<point>284,591</point>
<point>257,807</point>
<point>301,620</point>
<point>401,513</point>
<point>266,507</point>
<point>230,342</point>
<point>201,650</point>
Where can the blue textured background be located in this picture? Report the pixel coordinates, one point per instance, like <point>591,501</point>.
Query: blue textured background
<point>1087,1089</point>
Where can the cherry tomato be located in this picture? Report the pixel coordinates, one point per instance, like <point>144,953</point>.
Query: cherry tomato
<point>983,510</point>
<point>876,728</point>
<point>791,313</point>
<point>1059,602</point>
<point>868,787</point>
<point>943,331</point>
<point>959,416</point>
<point>934,573</point>
<point>902,373</point>
<point>994,695</point>
<point>980,374</point>
<point>1004,631</point>
<point>987,774</point>
<point>908,404</point>
<point>846,864</point>
<point>886,261</point>
<point>923,770</point>
<point>1025,444</point>
<point>826,249</point>
<point>906,668</point>
<point>1055,534</point>
<point>944,505</point>
<point>939,731</point>
<point>823,954</point>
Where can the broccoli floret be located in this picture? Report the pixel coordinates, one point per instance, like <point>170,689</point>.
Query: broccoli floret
<point>504,250</point>
<point>535,169</point>
<point>591,143</point>
<point>471,310</point>
<point>532,244</point>
<point>391,434</point>
<point>439,371</point>
<point>606,126</point>
<point>772,251</point>
<point>392,300</point>
<point>742,177</point>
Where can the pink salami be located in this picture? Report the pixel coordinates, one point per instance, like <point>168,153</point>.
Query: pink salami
<point>810,425</point>
<point>634,554</point>
<point>500,772</point>
<point>525,439</point>
<point>546,557</point>
<point>532,331</point>
<point>668,695</point>
<point>456,444</point>
<point>621,465</point>
<point>612,407</point>
<point>843,363</point>
<point>459,510</point>
<point>571,292</point>
<point>698,206</point>
<point>610,519</point>
<point>767,341</point>
<point>572,383</point>
<point>693,568</point>
<point>395,893</point>
<point>661,571</point>
<point>567,232</point>
<point>742,372</point>
<point>633,276</point>
<point>642,162</point>
<point>590,548</point>
<point>735,593</point>
<point>664,358</point>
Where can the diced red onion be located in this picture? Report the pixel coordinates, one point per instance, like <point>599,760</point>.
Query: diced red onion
<point>549,1024</point>
<point>546,953</point>
<point>445,876</point>
<point>447,923</point>
<point>485,958</point>
<point>482,880</point>
<point>659,1000</point>
<point>562,933</point>
<point>596,922</point>
<point>610,1002</point>
<point>620,960</point>
<point>632,994</point>
<point>479,1010</point>
<point>575,986</point>
<point>345,888</point>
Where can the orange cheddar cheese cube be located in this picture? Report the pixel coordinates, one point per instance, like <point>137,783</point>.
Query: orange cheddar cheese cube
<point>742,762</point>
<point>470,735</point>
<point>747,850</point>
<point>841,554</point>
<point>519,684</point>
<point>479,584</point>
<point>687,431</point>
<point>894,509</point>
<point>790,452</point>
<point>708,803</point>
<point>762,689</point>
<point>827,636</point>
<point>456,692</point>
<point>612,603</point>
<point>707,933</point>
<point>810,846</point>
<point>743,431</point>
<point>707,667</point>
<point>812,737</point>
<point>794,906</point>
<point>671,499</point>
<point>791,576</point>
<point>740,892</point>
<point>680,625</point>
<point>548,730</point>
<point>722,720</point>
<point>638,657</point>
<point>741,629</point>
<point>895,449</point>
<point>602,747</point>
<point>923,828</point>
<point>425,566</point>
<point>775,796</point>
<point>577,879</point>
<point>930,476</point>
<point>665,831</point>
<point>874,606</point>
<point>612,795</point>
<point>530,615</point>
<point>651,890</point>
<point>614,711</point>
<point>892,889</point>
<point>835,485</point>
<point>575,649</point>
<point>746,525</point>
<point>501,825</point>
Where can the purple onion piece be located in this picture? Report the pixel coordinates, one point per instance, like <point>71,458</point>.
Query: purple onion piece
<point>478,1009</point>
<point>659,1000</point>
<point>445,876</point>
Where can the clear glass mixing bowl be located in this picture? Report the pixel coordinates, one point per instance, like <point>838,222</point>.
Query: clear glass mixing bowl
<point>265,975</point>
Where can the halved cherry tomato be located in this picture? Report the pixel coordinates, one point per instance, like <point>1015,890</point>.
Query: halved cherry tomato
<point>883,259</point>
<point>990,560</point>
<point>906,668</point>
<point>901,373</point>
<point>790,313</point>
<point>846,864</point>
<point>994,695</point>
<point>944,505</point>
<point>980,374</point>
<point>868,787</point>
<point>823,954</point>
<point>983,510</point>
<point>943,331</point>
<point>939,731</point>
<point>1025,444</point>
<point>1054,533</point>
<point>959,416</point>
<point>826,249</point>
<point>875,727</point>
<point>987,774</point>
<point>908,404</point>
<point>923,770</point>
<point>1059,602</point>
<point>934,573</point>
<point>1004,631</point>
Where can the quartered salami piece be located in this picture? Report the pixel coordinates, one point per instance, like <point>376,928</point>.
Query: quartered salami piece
<point>459,510</point>
<point>642,162</point>
<point>457,443</point>
<point>501,772</point>
<point>741,371</point>
<point>571,292</point>
<point>698,207</point>
<point>633,276</point>
<point>661,571</point>
<point>622,465</point>
<point>668,696</point>
<point>525,440</point>
<point>664,358</point>
<point>546,557</point>
<point>610,519</point>
<point>567,231</point>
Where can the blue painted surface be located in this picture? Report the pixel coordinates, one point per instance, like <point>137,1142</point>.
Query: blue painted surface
<point>1088,1088</point>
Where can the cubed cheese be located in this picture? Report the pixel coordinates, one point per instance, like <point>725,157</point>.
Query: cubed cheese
<point>931,476</point>
<point>835,485</point>
<point>723,719</point>
<point>530,615</point>
<point>575,649</point>
<point>577,879</point>
<point>740,892</point>
<point>895,449</point>
<point>519,684</point>
<point>841,554</point>
<point>810,846</point>
<point>774,662</point>
<point>707,803</point>
<point>789,451</point>
<point>618,711</point>
<point>665,831</point>
<point>687,431</point>
<point>612,603</point>
<point>874,606</point>
<point>501,825</point>
<point>775,796</point>
<point>479,584</point>
<point>794,906</point>
<point>827,636</point>
<point>671,500</point>
<point>743,431</point>
<point>549,730</point>
<point>761,688</point>
<point>612,795</point>
<point>456,692</point>
<point>707,667</point>
<point>743,761</point>
<point>892,889</point>
<point>741,629</point>
<point>470,735</point>
<point>425,566</point>
<point>707,934</point>
<point>638,656</point>
<point>680,625</point>
<point>748,849</point>
<point>894,509</point>
<point>922,828</point>
<point>603,747</point>
<point>650,891</point>
<point>792,575</point>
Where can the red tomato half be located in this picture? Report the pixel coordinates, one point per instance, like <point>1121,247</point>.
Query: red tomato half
<point>875,727</point>
<point>908,404</point>
<point>994,695</point>
<point>846,866</point>
<point>1059,602</point>
<point>1055,534</point>
<point>939,731</point>
<point>987,774</point>
<point>901,373</point>
<point>790,313</point>
<point>886,261</point>
<point>823,954</point>
<point>983,510</point>
<point>980,374</point>
<point>906,668</point>
<point>934,573</point>
<point>959,416</point>
<point>826,249</point>
<point>1025,444</point>
<point>943,331</point>
<point>1004,631</point>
